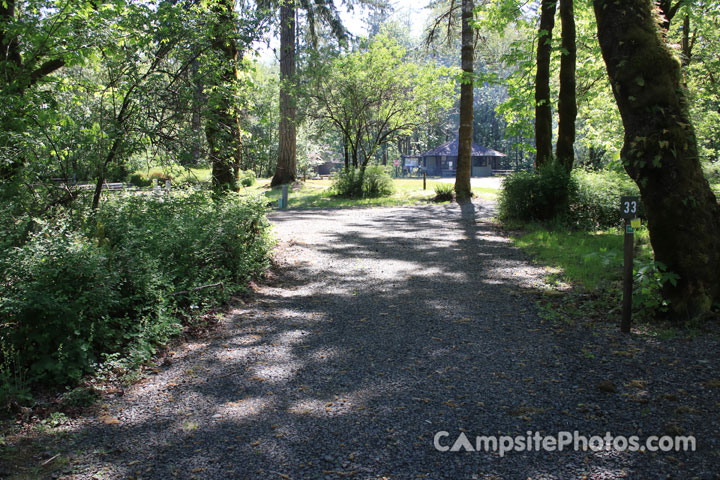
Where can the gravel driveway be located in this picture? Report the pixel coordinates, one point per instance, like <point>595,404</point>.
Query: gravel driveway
<point>382,327</point>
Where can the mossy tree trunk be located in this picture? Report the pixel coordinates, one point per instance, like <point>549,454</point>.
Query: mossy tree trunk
<point>286,169</point>
<point>464,165</point>
<point>543,110</point>
<point>660,152</point>
<point>222,128</point>
<point>567,103</point>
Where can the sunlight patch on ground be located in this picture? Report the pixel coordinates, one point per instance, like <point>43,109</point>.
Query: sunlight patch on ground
<point>494,238</point>
<point>516,272</point>
<point>278,372</point>
<point>341,404</point>
<point>247,339</point>
<point>192,348</point>
<point>293,336</point>
<point>233,354</point>
<point>244,407</point>
<point>324,354</point>
<point>319,408</point>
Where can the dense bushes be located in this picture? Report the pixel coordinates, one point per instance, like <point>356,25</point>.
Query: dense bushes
<point>58,291</point>
<point>86,286</point>
<point>372,182</point>
<point>536,196</point>
<point>585,199</point>
<point>139,179</point>
<point>596,200</point>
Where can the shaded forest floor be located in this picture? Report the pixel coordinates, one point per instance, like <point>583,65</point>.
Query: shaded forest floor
<point>376,329</point>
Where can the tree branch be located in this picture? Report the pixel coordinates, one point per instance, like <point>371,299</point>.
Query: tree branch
<point>44,70</point>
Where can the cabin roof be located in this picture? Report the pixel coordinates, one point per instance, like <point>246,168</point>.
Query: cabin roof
<point>451,149</point>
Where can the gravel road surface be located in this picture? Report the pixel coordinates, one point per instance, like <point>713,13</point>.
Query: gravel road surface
<point>380,328</point>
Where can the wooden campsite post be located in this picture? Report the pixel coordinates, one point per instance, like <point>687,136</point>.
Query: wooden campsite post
<point>629,211</point>
<point>424,180</point>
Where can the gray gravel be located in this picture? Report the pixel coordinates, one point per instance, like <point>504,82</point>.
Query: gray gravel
<point>381,327</point>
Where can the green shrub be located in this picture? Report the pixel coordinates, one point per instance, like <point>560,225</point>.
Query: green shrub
<point>193,239</point>
<point>247,178</point>
<point>649,279</point>
<point>348,183</point>
<point>373,182</point>
<point>444,192</point>
<point>139,180</point>
<point>590,199</point>
<point>377,182</point>
<point>59,293</point>
<point>536,196</point>
<point>595,202</point>
<point>712,172</point>
<point>116,172</point>
<point>71,295</point>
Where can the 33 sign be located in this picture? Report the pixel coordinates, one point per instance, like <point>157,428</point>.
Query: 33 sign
<point>629,206</point>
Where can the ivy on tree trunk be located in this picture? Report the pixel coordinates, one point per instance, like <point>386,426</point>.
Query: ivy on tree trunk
<point>660,153</point>
<point>222,129</point>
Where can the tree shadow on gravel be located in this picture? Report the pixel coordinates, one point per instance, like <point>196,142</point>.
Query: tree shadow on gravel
<point>382,328</point>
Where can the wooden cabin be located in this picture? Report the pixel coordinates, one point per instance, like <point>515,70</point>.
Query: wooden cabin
<point>442,160</point>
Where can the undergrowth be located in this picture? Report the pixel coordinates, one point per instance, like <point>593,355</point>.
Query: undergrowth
<point>87,287</point>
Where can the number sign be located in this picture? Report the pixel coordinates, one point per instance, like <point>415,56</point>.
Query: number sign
<point>629,207</point>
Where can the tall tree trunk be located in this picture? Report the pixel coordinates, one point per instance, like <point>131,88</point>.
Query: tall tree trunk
<point>10,59</point>
<point>464,164</point>
<point>287,151</point>
<point>567,104</point>
<point>543,110</point>
<point>346,151</point>
<point>198,100</point>
<point>685,43</point>
<point>660,153</point>
<point>109,158</point>
<point>668,11</point>
<point>222,129</point>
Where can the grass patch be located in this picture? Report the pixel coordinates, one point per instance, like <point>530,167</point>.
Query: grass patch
<point>591,259</point>
<point>486,193</point>
<point>180,174</point>
<point>318,194</point>
<point>593,262</point>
